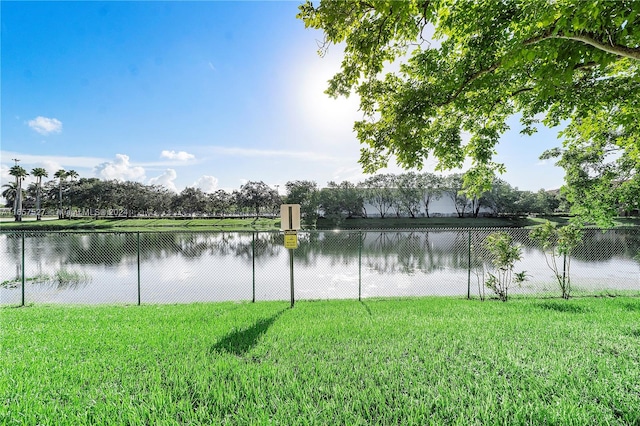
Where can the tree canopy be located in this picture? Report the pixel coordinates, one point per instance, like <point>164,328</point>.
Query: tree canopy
<point>565,62</point>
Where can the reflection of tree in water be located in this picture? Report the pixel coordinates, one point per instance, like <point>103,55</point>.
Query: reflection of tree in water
<point>385,252</point>
<point>263,244</point>
<point>597,246</point>
<point>416,251</point>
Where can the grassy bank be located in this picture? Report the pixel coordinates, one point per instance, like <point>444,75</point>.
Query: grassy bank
<point>226,224</point>
<point>418,361</point>
<point>232,224</point>
<point>455,222</point>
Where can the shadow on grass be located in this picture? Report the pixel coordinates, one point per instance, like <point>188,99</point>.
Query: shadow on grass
<point>634,332</point>
<point>366,308</point>
<point>562,307</point>
<point>240,342</point>
<point>633,307</point>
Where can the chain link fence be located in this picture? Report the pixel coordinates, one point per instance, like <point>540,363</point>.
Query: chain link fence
<point>185,267</point>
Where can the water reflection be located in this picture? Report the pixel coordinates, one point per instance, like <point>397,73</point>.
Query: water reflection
<point>221,265</point>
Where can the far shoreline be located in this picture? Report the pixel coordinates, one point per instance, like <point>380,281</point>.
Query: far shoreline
<point>273,224</point>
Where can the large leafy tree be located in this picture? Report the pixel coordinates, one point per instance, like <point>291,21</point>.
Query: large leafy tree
<point>378,191</point>
<point>258,196</point>
<point>453,189</point>
<point>430,187</point>
<point>305,193</point>
<point>408,194</point>
<point>190,201</point>
<point>340,201</point>
<point>564,62</point>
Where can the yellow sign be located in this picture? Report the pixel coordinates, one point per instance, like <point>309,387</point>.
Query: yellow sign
<point>290,239</point>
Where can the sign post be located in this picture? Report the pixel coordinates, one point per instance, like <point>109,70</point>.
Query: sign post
<point>290,223</point>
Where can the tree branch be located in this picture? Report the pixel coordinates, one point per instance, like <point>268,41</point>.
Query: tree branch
<point>470,79</point>
<point>590,39</point>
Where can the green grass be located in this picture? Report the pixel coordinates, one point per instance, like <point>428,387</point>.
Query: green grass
<point>398,361</point>
<point>227,224</point>
<point>233,224</point>
<point>422,222</point>
<point>392,222</point>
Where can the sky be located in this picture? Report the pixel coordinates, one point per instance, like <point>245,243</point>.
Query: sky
<point>208,94</point>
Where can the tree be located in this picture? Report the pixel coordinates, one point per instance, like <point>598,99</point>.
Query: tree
<point>504,254</point>
<point>219,202</point>
<point>566,61</point>
<point>502,198</point>
<point>257,196</point>
<point>378,191</point>
<point>19,173</point>
<point>305,193</point>
<point>557,244</point>
<point>61,175</point>
<point>190,201</point>
<point>71,174</point>
<point>430,186</point>
<point>39,173</point>
<point>409,196</point>
<point>526,203</point>
<point>454,190</point>
<point>546,202</point>
<point>341,201</point>
<point>9,194</point>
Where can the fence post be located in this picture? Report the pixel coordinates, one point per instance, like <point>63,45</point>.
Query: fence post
<point>359,266</point>
<point>564,270</point>
<point>23,273</point>
<point>138,250</point>
<point>253,266</point>
<point>291,276</point>
<point>469,269</point>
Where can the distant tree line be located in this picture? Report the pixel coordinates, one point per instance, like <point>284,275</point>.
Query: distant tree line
<point>412,194</point>
<point>385,195</point>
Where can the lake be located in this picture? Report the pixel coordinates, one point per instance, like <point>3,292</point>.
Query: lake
<point>227,266</point>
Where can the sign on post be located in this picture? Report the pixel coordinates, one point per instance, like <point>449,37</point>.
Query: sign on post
<point>290,217</point>
<point>290,239</point>
<point>290,223</point>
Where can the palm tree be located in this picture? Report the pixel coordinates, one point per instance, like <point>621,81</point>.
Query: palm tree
<point>60,175</point>
<point>71,174</point>
<point>39,173</point>
<point>20,173</point>
<point>9,193</point>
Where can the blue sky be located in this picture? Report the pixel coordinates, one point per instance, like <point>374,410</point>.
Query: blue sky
<point>206,94</point>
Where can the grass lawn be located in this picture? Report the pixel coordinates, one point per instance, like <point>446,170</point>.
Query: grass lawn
<point>131,225</point>
<point>261,224</point>
<point>392,222</point>
<point>396,361</point>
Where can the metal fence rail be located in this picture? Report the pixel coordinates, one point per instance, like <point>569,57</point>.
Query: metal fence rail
<point>184,267</point>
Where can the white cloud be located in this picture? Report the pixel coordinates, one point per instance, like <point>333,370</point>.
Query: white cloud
<point>53,162</point>
<point>4,173</point>
<point>166,179</point>
<point>180,155</point>
<point>207,183</point>
<point>44,125</point>
<point>120,169</point>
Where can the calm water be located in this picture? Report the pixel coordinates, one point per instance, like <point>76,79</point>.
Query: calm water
<point>187,267</point>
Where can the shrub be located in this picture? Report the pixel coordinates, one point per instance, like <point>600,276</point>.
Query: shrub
<point>504,255</point>
<point>558,243</point>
